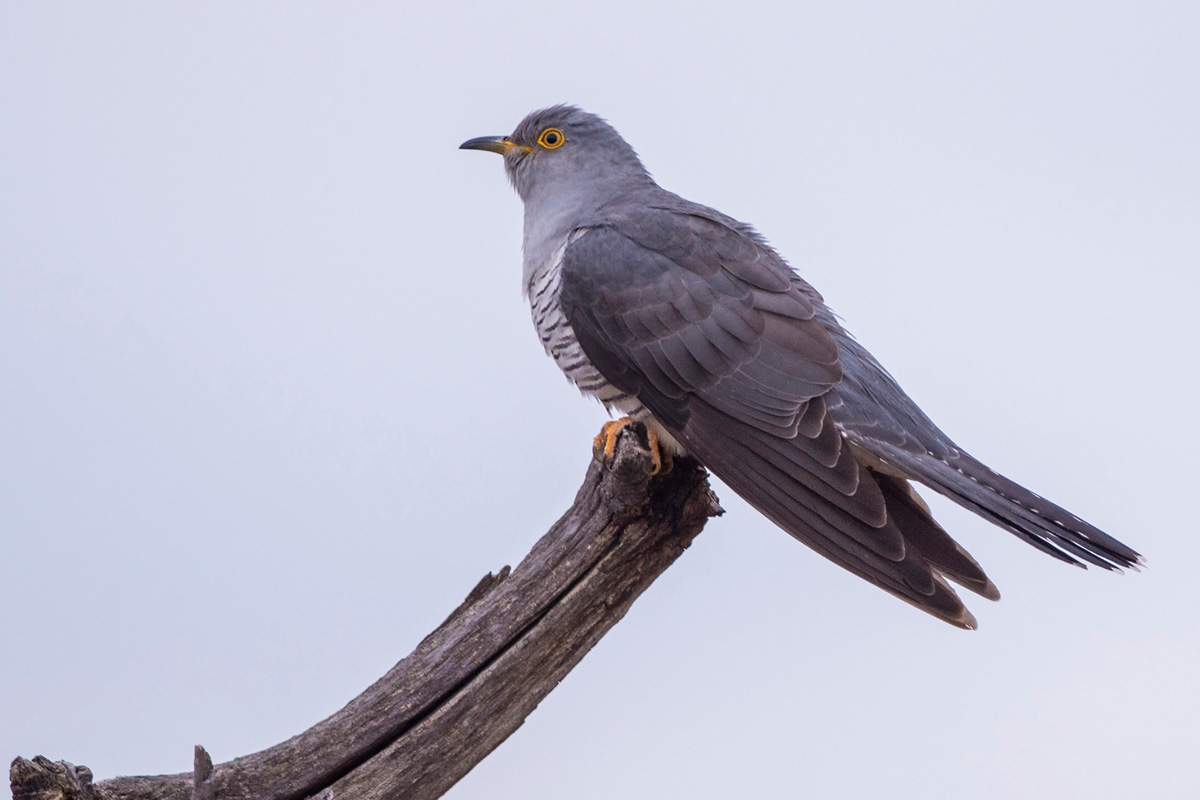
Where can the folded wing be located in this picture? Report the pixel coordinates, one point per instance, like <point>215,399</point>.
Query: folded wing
<point>710,330</point>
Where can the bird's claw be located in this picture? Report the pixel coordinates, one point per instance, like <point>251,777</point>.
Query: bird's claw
<point>604,446</point>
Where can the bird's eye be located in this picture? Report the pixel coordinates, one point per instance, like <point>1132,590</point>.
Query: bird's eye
<point>551,138</point>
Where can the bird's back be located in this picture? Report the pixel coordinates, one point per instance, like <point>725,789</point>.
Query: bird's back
<point>650,260</point>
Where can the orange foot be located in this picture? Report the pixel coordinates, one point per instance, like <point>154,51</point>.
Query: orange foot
<point>606,443</point>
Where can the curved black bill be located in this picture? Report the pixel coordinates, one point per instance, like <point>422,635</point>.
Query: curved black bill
<point>493,144</point>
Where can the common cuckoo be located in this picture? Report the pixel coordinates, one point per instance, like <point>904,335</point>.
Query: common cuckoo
<point>685,320</point>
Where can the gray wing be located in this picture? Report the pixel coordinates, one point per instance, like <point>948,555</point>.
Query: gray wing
<point>705,325</point>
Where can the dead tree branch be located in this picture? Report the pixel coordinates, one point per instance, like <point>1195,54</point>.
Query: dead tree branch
<point>471,682</point>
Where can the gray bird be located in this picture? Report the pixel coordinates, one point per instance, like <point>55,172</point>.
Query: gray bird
<point>685,320</point>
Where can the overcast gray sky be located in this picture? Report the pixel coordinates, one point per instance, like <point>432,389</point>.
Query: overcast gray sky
<point>271,402</point>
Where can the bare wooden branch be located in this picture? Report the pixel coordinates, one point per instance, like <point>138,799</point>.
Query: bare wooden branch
<point>470,683</point>
<point>203,787</point>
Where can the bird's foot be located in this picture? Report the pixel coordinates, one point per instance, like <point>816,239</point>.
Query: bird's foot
<point>605,445</point>
<point>660,456</point>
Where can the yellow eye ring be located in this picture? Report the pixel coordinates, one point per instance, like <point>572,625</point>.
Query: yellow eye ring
<point>551,139</point>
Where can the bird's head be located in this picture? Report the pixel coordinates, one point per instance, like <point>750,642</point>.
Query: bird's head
<point>562,152</point>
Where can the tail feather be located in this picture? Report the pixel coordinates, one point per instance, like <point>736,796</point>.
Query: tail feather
<point>923,532</point>
<point>1048,527</point>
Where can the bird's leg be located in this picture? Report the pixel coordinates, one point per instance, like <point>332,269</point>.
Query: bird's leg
<point>659,456</point>
<point>605,445</point>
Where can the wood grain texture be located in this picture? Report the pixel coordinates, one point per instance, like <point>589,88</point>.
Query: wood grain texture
<point>471,682</point>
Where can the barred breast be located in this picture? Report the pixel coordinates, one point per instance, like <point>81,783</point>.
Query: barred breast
<point>554,329</point>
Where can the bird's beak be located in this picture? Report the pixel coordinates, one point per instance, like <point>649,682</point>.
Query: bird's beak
<point>494,144</point>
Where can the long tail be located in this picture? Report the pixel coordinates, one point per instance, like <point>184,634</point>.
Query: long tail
<point>1048,527</point>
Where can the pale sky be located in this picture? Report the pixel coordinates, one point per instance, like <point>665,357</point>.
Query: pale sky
<point>272,402</point>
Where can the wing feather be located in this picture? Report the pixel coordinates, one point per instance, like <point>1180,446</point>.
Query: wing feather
<point>708,328</point>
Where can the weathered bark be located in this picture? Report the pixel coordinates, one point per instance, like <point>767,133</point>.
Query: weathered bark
<point>471,682</point>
